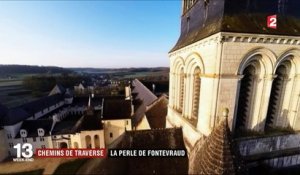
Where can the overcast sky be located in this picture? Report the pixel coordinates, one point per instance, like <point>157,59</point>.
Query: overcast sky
<point>88,34</point>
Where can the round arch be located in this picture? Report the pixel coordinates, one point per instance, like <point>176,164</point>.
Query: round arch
<point>265,57</point>
<point>76,145</point>
<point>88,141</point>
<point>193,61</point>
<point>97,141</point>
<point>63,145</point>
<point>293,55</point>
<point>177,64</point>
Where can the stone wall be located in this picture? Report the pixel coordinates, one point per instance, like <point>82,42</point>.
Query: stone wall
<point>276,151</point>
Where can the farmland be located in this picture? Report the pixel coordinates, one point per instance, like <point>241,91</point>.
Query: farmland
<point>12,93</point>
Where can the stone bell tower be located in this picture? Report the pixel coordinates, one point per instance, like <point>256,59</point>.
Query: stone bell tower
<point>227,56</point>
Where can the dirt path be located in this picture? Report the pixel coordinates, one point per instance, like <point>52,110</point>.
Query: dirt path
<point>49,164</point>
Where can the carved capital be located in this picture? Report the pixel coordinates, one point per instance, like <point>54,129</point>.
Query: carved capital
<point>270,77</point>
<point>240,77</point>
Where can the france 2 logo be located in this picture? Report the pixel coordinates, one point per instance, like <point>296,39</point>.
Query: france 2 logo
<point>272,21</point>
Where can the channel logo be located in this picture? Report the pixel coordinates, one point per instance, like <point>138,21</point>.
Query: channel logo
<point>272,21</point>
<point>24,152</point>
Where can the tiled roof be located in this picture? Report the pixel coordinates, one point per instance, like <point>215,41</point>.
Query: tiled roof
<point>157,112</point>
<point>116,109</point>
<point>216,155</point>
<point>142,92</point>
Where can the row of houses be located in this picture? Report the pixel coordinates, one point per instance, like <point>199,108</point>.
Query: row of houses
<point>62,120</point>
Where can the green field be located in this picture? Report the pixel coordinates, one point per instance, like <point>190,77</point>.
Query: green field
<point>7,83</point>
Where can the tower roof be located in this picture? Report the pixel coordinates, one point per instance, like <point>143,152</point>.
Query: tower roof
<point>216,155</point>
<point>205,18</point>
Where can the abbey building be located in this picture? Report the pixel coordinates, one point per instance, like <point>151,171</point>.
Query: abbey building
<point>226,56</point>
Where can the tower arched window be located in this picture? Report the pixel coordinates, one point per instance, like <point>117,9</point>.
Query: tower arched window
<point>181,90</point>
<point>246,94</point>
<point>277,93</point>
<point>196,96</point>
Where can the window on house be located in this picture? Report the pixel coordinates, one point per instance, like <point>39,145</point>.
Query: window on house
<point>110,135</point>
<point>24,140</point>
<point>34,139</point>
<point>9,136</point>
<point>43,146</point>
<point>42,139</point>
<point>11,145</point>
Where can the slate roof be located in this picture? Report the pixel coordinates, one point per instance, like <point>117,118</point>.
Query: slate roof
<point>14,116</point>
<point>64,127</point>
<point>217,154</point>
<point>42,103</point>
<point>116,109</point>
<point>138,114</point>
<point>206,18</point>
<point>31,126</point>
<point>157,112</point>
<point>141,92</point>
<point>91,122</point>
<point>171,138</point>
<point>3,111</point>
<point>23,112</point>
<point>59,87</point>
<point>68,94</point>
<point>55,111</point>
<point>83,101</point>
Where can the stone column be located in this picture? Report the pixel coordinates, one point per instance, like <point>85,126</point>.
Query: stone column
<point>205,104</point>
<point>186,96</point>
<point>171,90</point>
<point>294,115</point>
<point>264,105</point>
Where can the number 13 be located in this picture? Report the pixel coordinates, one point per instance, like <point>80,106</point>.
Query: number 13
<point>27,153</point>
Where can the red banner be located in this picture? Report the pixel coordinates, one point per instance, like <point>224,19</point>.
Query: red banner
<point>79,153</point>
